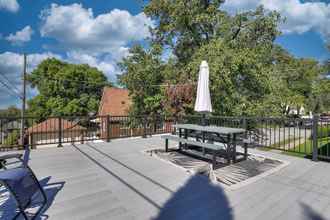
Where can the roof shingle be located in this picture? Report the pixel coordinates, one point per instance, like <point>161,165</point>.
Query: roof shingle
<point>52,125</point>
<point>115,102</point>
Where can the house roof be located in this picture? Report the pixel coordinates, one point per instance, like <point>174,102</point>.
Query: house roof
<point>52,125</point>
<point>115,102</point>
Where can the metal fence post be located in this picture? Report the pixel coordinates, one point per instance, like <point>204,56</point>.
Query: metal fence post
<point>59,132</point>
<point>1,134</point>
<point>31,144</point>
<point>82,133</point>
<point>315,137</point>
<point>108,128</point>
<point>175,121</point>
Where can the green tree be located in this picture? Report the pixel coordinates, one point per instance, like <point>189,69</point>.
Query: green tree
<point>11,111</point>
<point>238,49</point>
<point>239,78</point>
<point>295,78</point>
<point>184,25</point>
<point>249,73</point>
<point>65,89</point>
<point>12,138</point>
<point>141,75</point>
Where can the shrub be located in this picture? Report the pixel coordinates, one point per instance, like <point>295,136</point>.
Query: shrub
<point>323,131</point>
<point>12,138</point>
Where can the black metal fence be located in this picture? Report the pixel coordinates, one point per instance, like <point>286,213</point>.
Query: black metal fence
<point>305,137</point>
<point>61,130</point>
<point>301,137</point>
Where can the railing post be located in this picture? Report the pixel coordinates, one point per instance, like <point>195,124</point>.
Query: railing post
<point>108,127</point>
<point>1,134</point>
<point>82,141</point>
<point>315,137</point>
<point>31,142</point>
<point>175,121</point>
<point>144,126</point>
<point>59,132</point>
<point>244,126</point>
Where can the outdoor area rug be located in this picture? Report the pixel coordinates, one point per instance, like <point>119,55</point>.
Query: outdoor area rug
<point>231,176</point>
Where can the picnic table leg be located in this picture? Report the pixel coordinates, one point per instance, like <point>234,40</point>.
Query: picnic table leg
<point>228,149</point>
<point>166,145</point>
<point>180,135</point>
<point>245,150</point>
<point>234,148</point>
<point>214,160</point>
<point>203,140</point>
<point>186,137</point>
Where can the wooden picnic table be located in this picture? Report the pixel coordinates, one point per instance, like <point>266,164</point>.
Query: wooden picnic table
<point>225,135</point>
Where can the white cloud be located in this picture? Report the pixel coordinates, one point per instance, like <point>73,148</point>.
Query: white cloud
<point>78,29</point>
<point>11,63</point>
<point>9,5</point>
<point>20,37</point>
<point>300,17</point>
<point>106,65</point>
<point>100,41</point>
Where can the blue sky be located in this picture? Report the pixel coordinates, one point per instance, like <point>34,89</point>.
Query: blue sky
<point>100,32</point>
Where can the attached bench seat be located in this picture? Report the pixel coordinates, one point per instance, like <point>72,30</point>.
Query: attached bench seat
<point>215,147</point>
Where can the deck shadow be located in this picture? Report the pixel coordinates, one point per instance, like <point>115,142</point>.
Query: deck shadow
<point>197,199</point>
<point>129,168</point>
<point>310,214</point>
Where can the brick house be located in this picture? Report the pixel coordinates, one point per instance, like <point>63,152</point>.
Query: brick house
<point>115,102</point>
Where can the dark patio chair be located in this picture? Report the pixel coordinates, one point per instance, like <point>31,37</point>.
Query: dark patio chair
<point>4,159</point>
<point>22,184</point>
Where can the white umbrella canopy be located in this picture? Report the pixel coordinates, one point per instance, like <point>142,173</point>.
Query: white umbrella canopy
<point>203,101</point>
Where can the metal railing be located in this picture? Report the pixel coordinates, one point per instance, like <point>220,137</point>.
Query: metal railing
<point>71,129</point>
<point>296,136</point>
<point>305,137</point>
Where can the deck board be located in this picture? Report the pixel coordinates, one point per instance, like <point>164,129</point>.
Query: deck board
<point>117,180</point>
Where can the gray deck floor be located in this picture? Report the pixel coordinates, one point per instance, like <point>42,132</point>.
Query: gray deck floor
<point>117,181</point>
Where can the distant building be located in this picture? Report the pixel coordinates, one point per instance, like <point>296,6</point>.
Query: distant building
<point>7,128</point>
<point>47,132</point>
<point>114,102</point>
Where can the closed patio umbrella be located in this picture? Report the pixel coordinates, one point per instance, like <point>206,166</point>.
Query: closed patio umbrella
<point>203,99</point>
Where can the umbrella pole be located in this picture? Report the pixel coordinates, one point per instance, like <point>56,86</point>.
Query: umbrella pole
<point>204,119</point>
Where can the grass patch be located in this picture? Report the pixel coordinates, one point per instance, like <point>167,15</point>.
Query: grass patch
<point>277,146</point>
<point>294,154</point>
<point>280,144</point>
<point>323,132</point>
<point>301,150</point>
<point>306,148</point>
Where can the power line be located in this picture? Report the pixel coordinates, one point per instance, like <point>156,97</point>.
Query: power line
<point>10,90</point>
<point>94,84</point>
<point>12,85</point>
<point>77,81</point>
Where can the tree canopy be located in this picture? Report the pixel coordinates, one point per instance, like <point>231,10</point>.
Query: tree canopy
<point>249,73</point>
<point>65,89</point>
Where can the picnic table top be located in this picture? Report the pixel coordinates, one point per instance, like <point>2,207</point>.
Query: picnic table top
<point>211,129</point>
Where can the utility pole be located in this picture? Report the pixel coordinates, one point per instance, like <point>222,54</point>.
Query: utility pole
<point>23,101</point>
